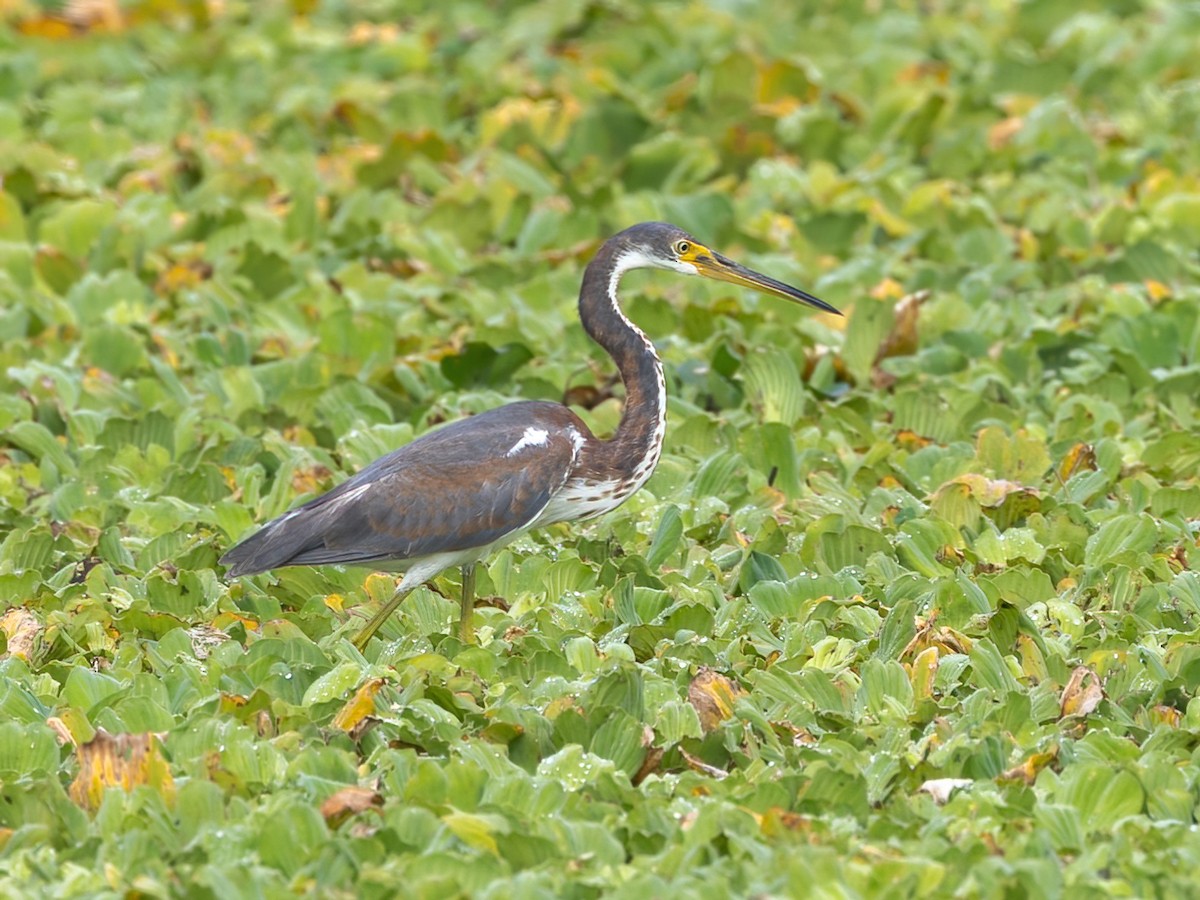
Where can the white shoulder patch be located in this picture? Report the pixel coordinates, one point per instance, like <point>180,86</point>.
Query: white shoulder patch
<point>533,437</point>
<point>577,440</point>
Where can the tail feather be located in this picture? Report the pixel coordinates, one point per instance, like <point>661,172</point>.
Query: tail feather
<point>303,537</point>
<point>271,547</point>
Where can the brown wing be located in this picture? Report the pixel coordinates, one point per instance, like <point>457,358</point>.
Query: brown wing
<point>461,487</point>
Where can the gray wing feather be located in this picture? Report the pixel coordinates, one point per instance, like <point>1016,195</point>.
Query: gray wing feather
<point>454,489</point>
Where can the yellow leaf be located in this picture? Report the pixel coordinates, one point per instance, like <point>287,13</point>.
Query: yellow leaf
<point>358,707</point>
<point>21,627</point>
<point>47,27</point>
<point>560,705</point>
<point>225,620</point>
<point>1033,664</point>
<point>713,696</point>
<point>1156,289</point>
<point>1080,457</point>
<point>473,830</point>
<point>379,587</point>
<point>120,760</point>
<point>888,289</point>
<point>183,275</point>
<point>783,87</point>
<point>1165,715</point>
<point>894,225</point>
<point>925,69</point>
<point>1028,770</point>
<point>906,439</point>
<point>924,671</point>
<point>1028,245</point>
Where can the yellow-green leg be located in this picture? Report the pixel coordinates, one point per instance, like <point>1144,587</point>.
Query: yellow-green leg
<point>466,630</point>
<point>364,636</point>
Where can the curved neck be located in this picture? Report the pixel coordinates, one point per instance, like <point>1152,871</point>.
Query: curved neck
<point>638,439</point>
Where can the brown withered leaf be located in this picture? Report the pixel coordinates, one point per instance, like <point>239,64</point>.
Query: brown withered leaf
<point>205,638</point>
<point>1082,694</point>
<point>1000,134</point>
<point>649,765</point>
<point>310,479</point>
<point>349,801</point>
<point>60,729</point>
<point>120,760</point>
<point>696,764</point>
<point>776,821</point>
<point>989,492</point>
<point>902,339</point>
<point>929,634</point>
<point>713,695</point>
<point>75,18</point>
<point>182,275</point>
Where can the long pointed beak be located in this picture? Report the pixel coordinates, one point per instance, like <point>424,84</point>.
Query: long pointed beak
<point>722,269</point>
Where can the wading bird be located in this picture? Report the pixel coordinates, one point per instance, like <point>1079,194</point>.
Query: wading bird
<point>454,495</point>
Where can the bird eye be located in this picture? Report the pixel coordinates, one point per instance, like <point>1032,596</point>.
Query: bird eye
<point>682,247</point>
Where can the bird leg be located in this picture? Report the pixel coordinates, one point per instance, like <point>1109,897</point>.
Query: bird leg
<point>466,631</point>
<point>363,637</point>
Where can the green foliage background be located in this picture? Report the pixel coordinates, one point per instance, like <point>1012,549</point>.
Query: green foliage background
<point>248,247</point>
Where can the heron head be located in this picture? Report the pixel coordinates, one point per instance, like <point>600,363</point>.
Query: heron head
<point>665,246</point>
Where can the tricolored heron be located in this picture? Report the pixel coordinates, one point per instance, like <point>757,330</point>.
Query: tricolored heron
<point>454,495</point>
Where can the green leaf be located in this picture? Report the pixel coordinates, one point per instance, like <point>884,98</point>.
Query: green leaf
<point>773,383</point>
<point>1120,539</point>
<point>27,749</point>
<point>74,227</point>
<point>334,684</point>
<point>666,537</point>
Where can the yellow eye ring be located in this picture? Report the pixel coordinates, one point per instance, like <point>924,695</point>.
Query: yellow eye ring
<point>682,247</point>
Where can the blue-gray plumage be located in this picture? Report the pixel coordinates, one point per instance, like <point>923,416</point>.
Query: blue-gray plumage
<point>456,493</point>
<point>464,486</point>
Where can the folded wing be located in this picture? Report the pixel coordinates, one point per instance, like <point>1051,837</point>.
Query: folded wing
<point>465,486</point>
